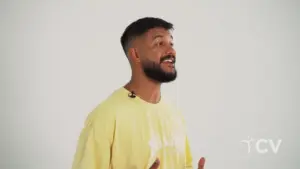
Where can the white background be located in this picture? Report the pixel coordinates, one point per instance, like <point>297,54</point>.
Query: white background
<point>238,64</point>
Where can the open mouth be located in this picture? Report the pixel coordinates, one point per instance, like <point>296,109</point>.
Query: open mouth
<point>169,62</point>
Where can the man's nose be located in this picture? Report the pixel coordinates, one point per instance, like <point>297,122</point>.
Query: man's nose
<point>171,51</point>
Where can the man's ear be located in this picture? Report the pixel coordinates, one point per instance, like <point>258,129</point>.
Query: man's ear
<point>133,54</point>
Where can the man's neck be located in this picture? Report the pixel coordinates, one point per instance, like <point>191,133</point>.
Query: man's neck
<point>146,89</point>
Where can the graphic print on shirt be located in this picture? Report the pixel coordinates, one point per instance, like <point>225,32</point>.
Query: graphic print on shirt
<point>171,142</point>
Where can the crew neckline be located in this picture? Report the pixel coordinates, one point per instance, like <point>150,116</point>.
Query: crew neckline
<point>137,98</point>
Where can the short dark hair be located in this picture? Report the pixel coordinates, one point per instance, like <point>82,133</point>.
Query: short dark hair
<point>141,26</point>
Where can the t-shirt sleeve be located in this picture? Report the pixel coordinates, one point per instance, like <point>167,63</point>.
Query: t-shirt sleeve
<point>94,144</point>
<point>188,152</point>
<point>188,157</point>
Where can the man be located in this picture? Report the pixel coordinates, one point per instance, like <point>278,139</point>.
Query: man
<point>135,128</point>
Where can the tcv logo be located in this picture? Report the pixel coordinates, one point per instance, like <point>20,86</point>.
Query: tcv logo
<point>262,146</point>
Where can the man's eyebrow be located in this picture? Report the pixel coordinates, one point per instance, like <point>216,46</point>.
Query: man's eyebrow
<point>160,36</point>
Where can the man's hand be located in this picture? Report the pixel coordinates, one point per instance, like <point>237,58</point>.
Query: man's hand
<point>201,164</point>
<point>155,165</point>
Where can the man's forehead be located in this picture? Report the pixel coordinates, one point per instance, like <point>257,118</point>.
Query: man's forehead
<point>151,35</point>
<point>158,32</point>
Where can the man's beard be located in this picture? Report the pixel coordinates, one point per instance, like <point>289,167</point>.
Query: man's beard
<point>155,72</point>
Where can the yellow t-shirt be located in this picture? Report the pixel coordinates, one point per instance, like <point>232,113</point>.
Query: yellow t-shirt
<point>130,133</point>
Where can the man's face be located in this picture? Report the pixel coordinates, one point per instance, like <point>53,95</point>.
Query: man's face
<point>158,61</point>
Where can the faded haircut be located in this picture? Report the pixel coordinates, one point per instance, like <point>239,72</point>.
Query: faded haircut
<point>141,26</point>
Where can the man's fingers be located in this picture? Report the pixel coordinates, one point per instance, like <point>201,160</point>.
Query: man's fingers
<point>201,163</point>
<point>155,165</point>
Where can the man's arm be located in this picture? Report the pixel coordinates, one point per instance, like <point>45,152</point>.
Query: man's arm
<point>94,145</point>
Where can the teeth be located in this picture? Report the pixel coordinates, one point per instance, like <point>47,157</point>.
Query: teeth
<point>169,60</point>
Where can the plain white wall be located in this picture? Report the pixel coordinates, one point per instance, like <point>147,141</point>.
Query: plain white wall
<point>238,64</point>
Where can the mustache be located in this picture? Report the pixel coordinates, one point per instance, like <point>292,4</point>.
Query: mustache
<point>168,57</point>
